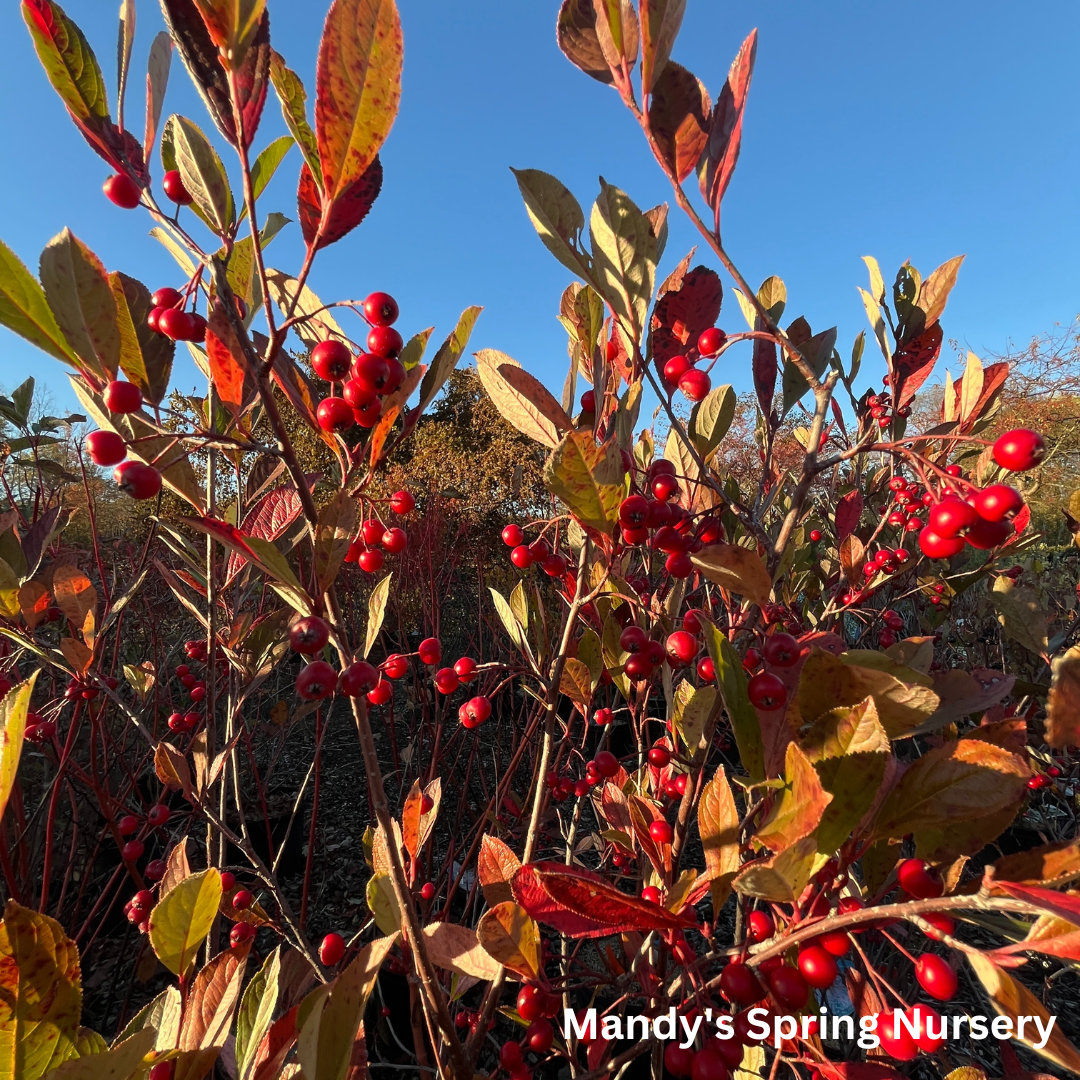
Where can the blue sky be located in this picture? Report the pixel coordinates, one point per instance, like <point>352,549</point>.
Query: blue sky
<point>921,131</point>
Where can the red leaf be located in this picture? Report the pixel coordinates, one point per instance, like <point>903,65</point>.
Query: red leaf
<point>267,520</point>
<point>348,211</point>
<point>275,1046</point>
<point>583,905</point>
<point>914,361</point>
<point>849,509</point>
<point>765,367</point>
<point>681,315</point>
<point>1064,905</point>
<point>725,133</point>
<point>200,56</point>
<point>227,364</point>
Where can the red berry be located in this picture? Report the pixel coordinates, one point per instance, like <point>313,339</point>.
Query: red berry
<point>309,635</point>
<point>173,185</point>
<point>122,397</point>
<point>781,650</point>
<point>331,360</point>
<point>370,561</point>
<point>788,986</point>
<point>943,923</point>
<point>395,666</point>
<point>659,757</point>
<point>531,1003</point>
<point>934,546</point>
<point>381,694</point>
<point>766,691</point>
<point>651,895</point>
<point>633,639</point>
<point>122,191</point>
<point>371,371</point>
<point>105,447</point>
<point>359,397</point>
<point>989,534</point>
<point>475,711</point>
<point>896,1040</point>
<point>384,341</point>
<point>368,416</point>
<point>1019,450</point>
<point>922,1016</point>
<point>760,925</point>
<point>661,831</point>
<point>588,402</point>
<point>675,369</point>
<point>935,976</point>
<point>176,324</point>
<point>132,851</point>
<point>681,648</point>
<point>430,651</point>
<point>155,870</point>
<point>228,880</point>
<point>835,942</point>
<point>603,717</point>
<point>998,502</point>
<point>951,517</point>
<point>446,680</point>
<point>607,764</point>
<point>402,502</point>
<point>818,967</point>
<point>711,341</point>
<point>316,681</point>
<point>512,536</point>
<point>521,557</point>
<point>633,511</point>
<point>510,1055</point>
<point>918,879</point>
<point>394,540</point>
<point>740,985</point>
<point>540,1036</point>
<point>465,669</point>
<point>163,1070</point>
<point>332,949</point>
<point>158,815</point>
<point>242,899</point>
<point>679,564</point>
<point>240,933</point>
<point>678,1060</point>
<point>708,1065</point>
<point>691,623</point>
<point>127,825</point>
<point>695,384</point>
<point>334,415</point>
<point>380,309</point>
<point>357,679</point>
<point>706,669</point>
<point>137,480</point>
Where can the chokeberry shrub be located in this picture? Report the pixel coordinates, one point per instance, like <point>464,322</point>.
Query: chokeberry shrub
<point>696,726</point>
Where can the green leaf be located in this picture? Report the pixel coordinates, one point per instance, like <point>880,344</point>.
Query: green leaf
<point>358,89</point>
<point>181,920</point>
<point>256,1012</point>
<point>376,613</point>
<point>25,310</point>
<point>293,97</point>
<point>202,172</point>
<point>731,679</point>
<point>557,218</point>
<point>68,60</point>
<point>163,1015</point>
<point>624,255</point>
<point>587,478</point>
<point>121,1062</point>
<point>772,296</point>
<point>266,164</point>
<point>78,291</point>
<point>447,357</point>
<point>42,994</point>
<point>817,352</point>
<point>877,323</point>
<point>413,352</point>
<point>710,420</point>
<point>691,710</point>
<point>510,622</point>
<point>382,902</point>
<point>156,351</point>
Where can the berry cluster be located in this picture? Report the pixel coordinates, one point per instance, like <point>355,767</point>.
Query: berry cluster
<point>168,317</point>
<point>374,538</point>
<point>366,379</point>
<point>681,371</point>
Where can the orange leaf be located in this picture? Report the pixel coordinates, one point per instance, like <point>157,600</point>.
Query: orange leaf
<point>496,865</point>
<point>800,805</point>
<point>511,937</point>
<point>227,362</point>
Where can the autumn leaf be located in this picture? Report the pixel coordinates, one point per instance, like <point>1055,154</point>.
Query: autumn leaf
<point>496,866</point>
<point>737,569</point>
<point>1063,707</point>
<point>799,805</point>
<point>511,937</point>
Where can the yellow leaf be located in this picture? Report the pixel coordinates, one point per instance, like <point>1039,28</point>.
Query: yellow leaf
<point>781,877</point>
<point>13,710</point>
<point>180,921</point>
<point>119,1063</point>
<point>1011,999</point>
<point>718,824</point>
<point>457,948</point>
<point>382,902</point>
<point>587,478</point>
<point>735,568</point>
<point>799,806</point>
<point>509,935</point>
<point>692,709</point>
<point>40,994</point>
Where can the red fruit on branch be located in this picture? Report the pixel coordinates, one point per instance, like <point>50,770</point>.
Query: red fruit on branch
<point>607,764</point>
<point>132,851</point>
<point>380,309</point>
<point>818,966</point>
<point>788,987</point>
<point>384,341</point>
<point>659,756</point>
<point>334,415</point>
<point>228,880</point>
<point>430,651</point>
<point>760,925</point>
<point>706,669</point>
<point>395,665</point>
<point>711,341</point>
<point>740,985</point>
<point>316,681</point>
<point>681,648</point>
<point>137,480</point>
<point>402,503</point>
<point>309,635</point>
<point>985,535</point>
<point>475,711</point>
<point>242,899</point>
<point>371,371</point>
<point>951,516</point>
<point>781,650</point>
<point>122,397</point>
<point>633,639</point>
<point>661,832</point>
<point>332,949</point>
<point>158,815</point>
<point>633,511</point>
<point>935,976</point>
<point>835,942</point>
<point>394,540</point>
<point>675,369</point>
<point>998,502</point>
<point>360,396</point>
<point>172,184</point>
<point>588,402</point>
<point>918,879</point>
<point>122,191</point>
<point>240,933</point>
<point>331,360</point>
<point>531,1003</point>
<point>678,1060</point>
<point>695,385</point>
<point>934,546</point>
<point>465,669</point>
<point>766,691</point>
<point>708,1065</point>
<point>539,1036</point>
<point>521,557</point>
<point>163,1070</point>
<point>128,824</point>
<point>896,1040</point>
<point>1019,450</point>
<point>381,694</point>
<point>105,447</point>
<point>358,678</point>
<point>446,680</point>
